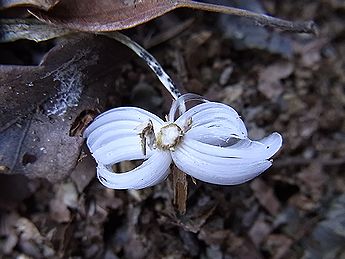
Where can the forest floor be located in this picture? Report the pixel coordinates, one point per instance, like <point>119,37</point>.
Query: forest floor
<point>290,83</point>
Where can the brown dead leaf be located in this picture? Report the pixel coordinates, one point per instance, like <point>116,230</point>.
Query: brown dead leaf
<point>112,15</point>
<point>105,15</point>
<point>313,180</point>
<point>40,4</point>
<point>81,122</point>
<point>40,103</point>
<point>265,196</point>
<point>269,79</point>
<point>242,248</point>
<point>278,245</point>
<point>303,202</point>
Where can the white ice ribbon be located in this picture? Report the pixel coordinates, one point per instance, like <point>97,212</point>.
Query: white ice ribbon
<point>213,147</point>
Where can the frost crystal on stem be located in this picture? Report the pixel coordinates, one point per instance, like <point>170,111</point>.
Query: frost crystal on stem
<point>209,142</point>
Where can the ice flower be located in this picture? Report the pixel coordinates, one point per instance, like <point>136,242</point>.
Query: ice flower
<point>208,142</point>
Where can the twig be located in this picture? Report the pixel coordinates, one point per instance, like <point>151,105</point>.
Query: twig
<point>260,19</point>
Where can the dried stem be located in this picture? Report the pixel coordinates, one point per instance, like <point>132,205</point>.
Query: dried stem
<point>260,19</point>
<point>180,187</point>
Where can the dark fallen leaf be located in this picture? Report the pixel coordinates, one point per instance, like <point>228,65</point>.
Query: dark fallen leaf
<point>112,15</point>
<point>40,4</point>
<point>39,104</point>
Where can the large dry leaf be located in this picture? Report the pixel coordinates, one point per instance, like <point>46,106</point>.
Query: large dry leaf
<point>41,4</point>
<point>105,15</point>
<point>112,15</point>
<point>39,105</point>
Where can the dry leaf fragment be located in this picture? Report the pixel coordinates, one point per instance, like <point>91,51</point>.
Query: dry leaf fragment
<point>66,196</point>
<point>81,122</point>
<point>270,79</point>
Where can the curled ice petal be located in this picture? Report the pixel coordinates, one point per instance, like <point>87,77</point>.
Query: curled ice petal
<point>128,114</point>
<point>114,137</point>
<point>231,173</point>
<point>244,148</point>
<point>118,150</point>
<point>214,135</point>
<point>226,165</point>
<point>151,172</point>
<point>111,132</point>
<point>180,104</point>
<point>212,122</point>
